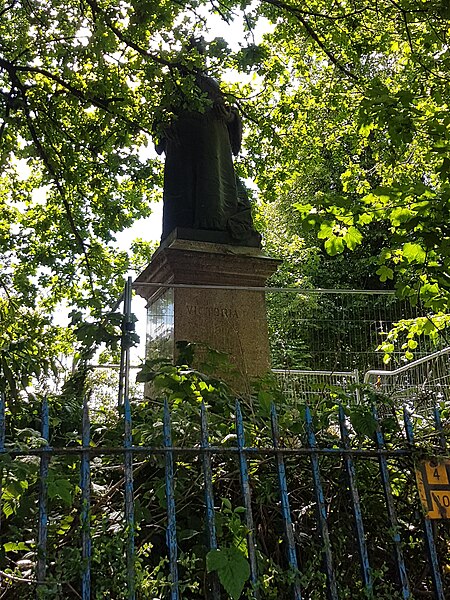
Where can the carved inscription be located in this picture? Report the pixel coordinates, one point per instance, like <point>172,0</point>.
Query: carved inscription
<point>212,311</point>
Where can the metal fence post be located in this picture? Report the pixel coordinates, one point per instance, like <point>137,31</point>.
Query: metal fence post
<point>212,579</point>
<point>171,513</point>
<point>285,508</point>
<point>393,522</point>
<point>245,485</point>
<point>85,485</point>
<point>428,526</point>
<point>43,516</point>
<point>356,505</point>
<point>321,508</point>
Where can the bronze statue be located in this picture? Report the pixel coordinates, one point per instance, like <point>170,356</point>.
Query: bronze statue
<point>201,190</point>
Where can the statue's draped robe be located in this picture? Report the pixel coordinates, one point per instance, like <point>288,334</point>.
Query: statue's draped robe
<point>200,186</point>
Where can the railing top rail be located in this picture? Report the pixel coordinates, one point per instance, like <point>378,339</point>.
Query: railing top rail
<point>408,366</point>
<point>308,372</point>
<point>139,284</point>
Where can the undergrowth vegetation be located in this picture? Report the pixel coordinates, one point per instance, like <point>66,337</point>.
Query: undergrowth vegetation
<point>186,389</point>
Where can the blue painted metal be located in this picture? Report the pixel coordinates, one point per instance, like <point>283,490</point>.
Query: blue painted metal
<point>85,485</point>
<point>128,443</point>
<point>129,501</point>
<point>356,505</point>
<point>170,498</point>
<point>392,515</point>
<point>256,452</point>
<point>245,484</point>
<point>2,448</point>
<point>428,526</point>
<point>213,582</point>
<point>2,421</point>
<point>285,508</point>
<point>321,507</point>
<point>43,514</point>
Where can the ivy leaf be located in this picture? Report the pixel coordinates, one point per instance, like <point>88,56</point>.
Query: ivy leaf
<point>232,567</point>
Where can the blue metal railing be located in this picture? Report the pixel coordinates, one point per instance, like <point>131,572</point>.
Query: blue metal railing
<point>243,453</point>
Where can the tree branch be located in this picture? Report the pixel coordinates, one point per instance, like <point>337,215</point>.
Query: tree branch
<point>311,13</point>
<point>17,84</point>
<point>67,208</point>
<point>300,16</point>
<point>96,10</point>
<point>7,8</point>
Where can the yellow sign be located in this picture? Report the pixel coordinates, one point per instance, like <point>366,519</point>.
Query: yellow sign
<point>433,481</point>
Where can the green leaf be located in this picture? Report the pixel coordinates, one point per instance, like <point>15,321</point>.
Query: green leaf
<point>414,253</point>
<point>265,400</point>
<point>385,273</point>
<point>61,488</point>
<point>334,245</point>
<point>325,231</point>
<point>15,546</point>
<point>363,422</point>
<point>365,218</point>
<point>353,237</point>
<point>401,215</point>
<point>232,567</point>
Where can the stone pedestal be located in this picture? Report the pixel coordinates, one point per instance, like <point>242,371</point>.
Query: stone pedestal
<point>228,320</point>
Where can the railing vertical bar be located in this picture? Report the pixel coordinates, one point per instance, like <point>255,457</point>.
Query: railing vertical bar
<point>41,565</point>
<point>129,500</point>
<point>127,326</point>
<point>213,582</point>
<point>321,508</point>
<point>2,420</point>
<point>2,446</point>
<point>285,507</point>
<point>171,515</point>
<point>392,515</point>
<point>356,505</point>
<point>86,505</point>
<point>428,526</point>
<point>245,485</point>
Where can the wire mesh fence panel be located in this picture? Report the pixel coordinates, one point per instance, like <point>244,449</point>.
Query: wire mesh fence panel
<point>316,387</point>
<point>337,330</point>
<point>421,384</point>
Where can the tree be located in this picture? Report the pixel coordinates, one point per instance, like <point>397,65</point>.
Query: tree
<point>370,86</point>
<point>84,84</point>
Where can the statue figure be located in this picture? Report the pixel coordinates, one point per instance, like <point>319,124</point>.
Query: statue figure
<point>201,190</point>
